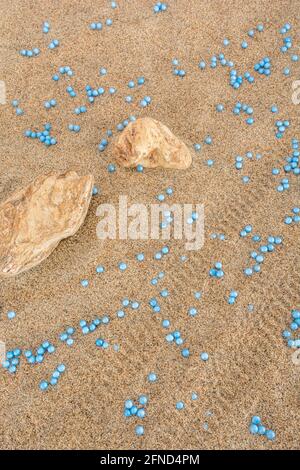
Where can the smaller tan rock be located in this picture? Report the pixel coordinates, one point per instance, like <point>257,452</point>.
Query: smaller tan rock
<point>35,219</point>
<point>150,143</point>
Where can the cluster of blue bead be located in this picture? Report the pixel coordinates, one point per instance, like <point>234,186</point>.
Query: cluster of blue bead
<point>54,44</point>
<point>80,110</point>
<point>292,161</point>
<point>294,326</point>
<point>284,185</point>
<point>246,231</point>
<point>121,126</point>
<point>12,360</point>
<point>50,104</point>
<point>161,197</point>
<point>104,142</point>
<point>281,128</point>
<point>159,7</point>
<point>125,304</point>
<point>138,410</point>
<point>295,218</point>
<point>233,295</point>
<point>259,256</point>
<point>256,427</point>
<point>66,336</point>
<point>140,81</point>
<point>207,140</point>
<point>214,60</point>
<point>263,67</point>
<point>218,236</point>
<point>167,219</point>
<point>44,385</point>
<point>192,218</point>
<point>178,72</point>
<point>101,343</point>
<point>74,127</point>
<point>38,357</point>
<point>71,91</point>
<point>239,161</point>
<point>217,270</point>
<point>180,405</point>
<point>159,254</point>
<point>46,27</point>
<point>246,109</point>
<point>92,93</point>
<point>235,79</point>
<point>249,77</point>
<point>259,28</point>
<point>43,136</point>
<point>93,325</point>
<point>30,52</point>
<point>155,280</point>
<point>154,305</point>
<point>145,101</point>
<point>98,26</point>
<point>175,337</point>
<point>15,104</point>
<point>285,29</point>
<point>287,44</point>
<point>102,145</point>
<point>64,70</point>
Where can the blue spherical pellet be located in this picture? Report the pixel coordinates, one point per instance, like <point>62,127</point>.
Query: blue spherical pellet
<point>43,385</point>
<point>179,405</point>
<point>143,399</point>
<point>152,377</point>
<point>139,430</point>
<point>204,356</point>
<point>270,434</point>
<point>11,314</point>
<point>185,353</point>
<point>256,420</point>
<point>253,429</point>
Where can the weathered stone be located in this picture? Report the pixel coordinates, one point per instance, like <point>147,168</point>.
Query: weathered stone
<point>150,143</point>
<point>35,219</point>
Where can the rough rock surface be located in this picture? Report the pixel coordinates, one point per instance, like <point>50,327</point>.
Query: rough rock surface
<point>35,219</point>
<point>150,143</point>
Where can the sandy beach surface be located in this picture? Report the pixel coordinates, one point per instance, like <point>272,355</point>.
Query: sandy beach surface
<point>250,370</point>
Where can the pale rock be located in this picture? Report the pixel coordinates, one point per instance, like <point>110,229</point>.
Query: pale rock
<point>150,143</point>
<point>35,219</point>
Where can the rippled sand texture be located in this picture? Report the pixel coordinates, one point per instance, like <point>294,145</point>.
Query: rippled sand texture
<point>250,370</point>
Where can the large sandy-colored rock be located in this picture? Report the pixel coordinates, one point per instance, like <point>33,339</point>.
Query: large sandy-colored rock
<point>35,219</point>
<point>150,143</point>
